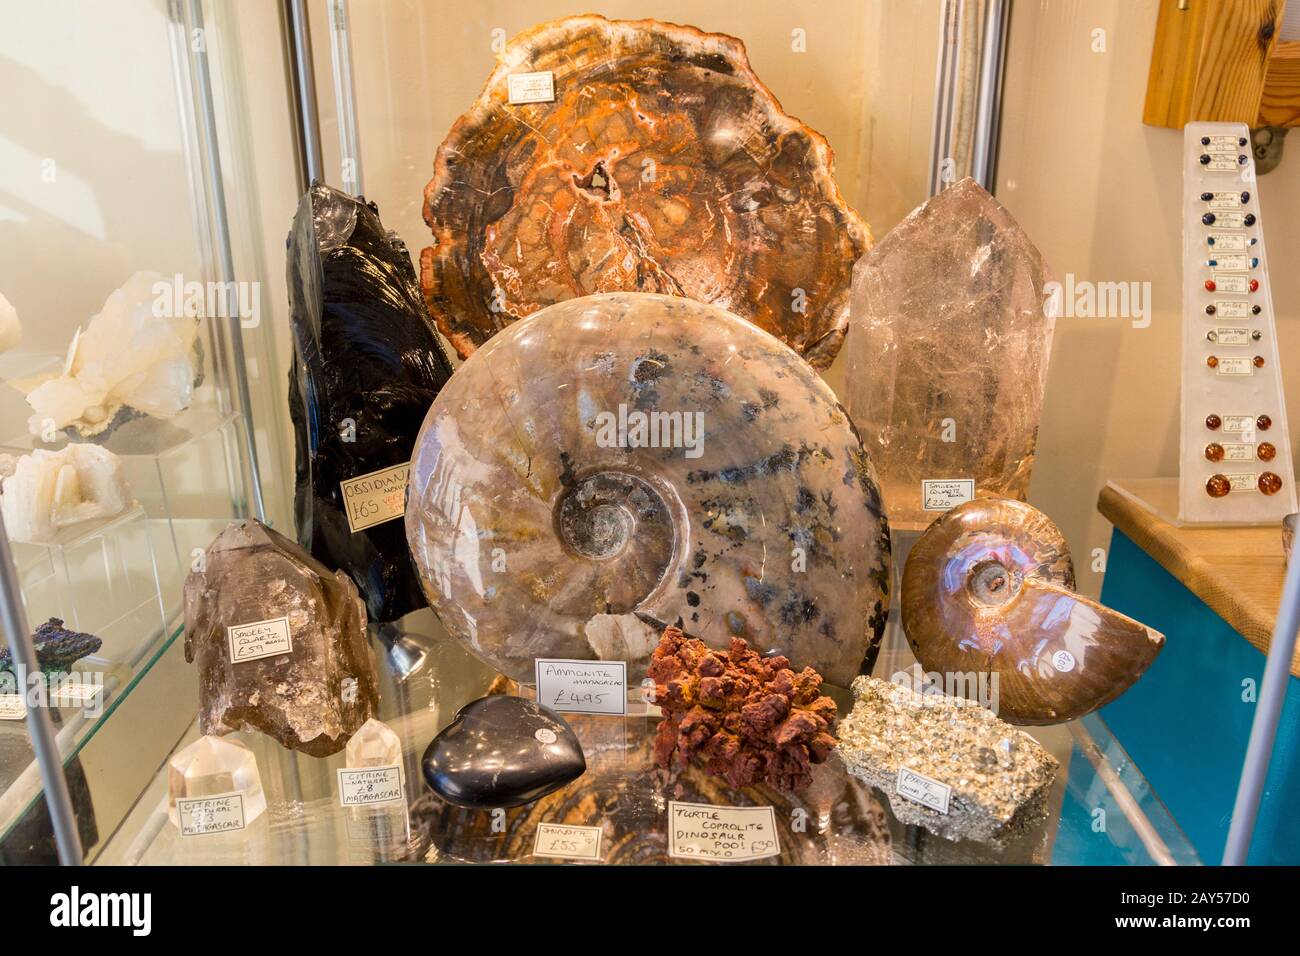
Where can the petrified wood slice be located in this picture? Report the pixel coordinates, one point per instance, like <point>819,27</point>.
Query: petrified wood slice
<point>663,165</point>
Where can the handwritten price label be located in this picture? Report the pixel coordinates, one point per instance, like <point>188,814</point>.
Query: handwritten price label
<point>12,707</point>
<point>559,842</point>
<point>699,831</point>
<point>363,786</point>
<point>217,814</point>
<point>376,497</point>
<point>924,790</point>
<point>259,639</point>
<point>943,494</point>
<point>583,687</point>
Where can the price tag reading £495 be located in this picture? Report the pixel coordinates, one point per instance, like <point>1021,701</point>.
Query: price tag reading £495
<point>583,687</point>
<point>700,831</point>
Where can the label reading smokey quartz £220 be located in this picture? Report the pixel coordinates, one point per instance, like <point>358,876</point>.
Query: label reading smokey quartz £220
<point>259,639</point>
<point>943,494</point>
<point>376,497</point>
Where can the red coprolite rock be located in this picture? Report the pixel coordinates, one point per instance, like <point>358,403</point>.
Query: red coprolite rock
<point>746,718</point>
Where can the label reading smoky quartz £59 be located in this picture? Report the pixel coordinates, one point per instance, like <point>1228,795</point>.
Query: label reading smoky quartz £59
<point>220,813</point>
<point>532,87</point>
<point>360,786</point>
<point>558,841</point>
<point>259,639</point>
<point>376,497</point>
<point>12,707</point>
<point>700,831</point>
<point>921,789</point>
<point>582,687</point>
<point>942,494</point>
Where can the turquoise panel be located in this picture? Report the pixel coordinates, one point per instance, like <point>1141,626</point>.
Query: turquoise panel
<point>1186,724</point>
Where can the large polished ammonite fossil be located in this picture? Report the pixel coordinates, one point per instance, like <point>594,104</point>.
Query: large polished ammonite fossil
<point>617,463</point>
<point>663,164</point>
<point>989,589</point>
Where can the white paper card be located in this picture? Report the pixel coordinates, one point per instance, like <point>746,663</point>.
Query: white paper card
<point>560,842</point>
<point>924,790</point>
<point>1229,281</point>
<point>532,87</point>
<point>361,786</point>
<point>74,693</point>
<point>1231,308</point>
<point>582,687</point>
<point>376,497</point>
<point>217,814</point>
<point>12,707</point>
<point>700,831</point>
<point>942,494</point>
<point>1234,365</point>
<point>259,639</point>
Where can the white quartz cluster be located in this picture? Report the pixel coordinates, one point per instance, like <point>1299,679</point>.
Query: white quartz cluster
<point>129,355</point>
<point>11,331</point>
<point>51,490</point>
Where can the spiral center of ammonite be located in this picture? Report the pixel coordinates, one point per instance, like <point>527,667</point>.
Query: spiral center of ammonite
<point>599,515</point>
<point>993,583</point>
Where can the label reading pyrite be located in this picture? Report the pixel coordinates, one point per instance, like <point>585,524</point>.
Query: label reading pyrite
<point>560,842</point>
<point>372,499</point>
<point>362,786</point>
<point>924,790</point>
<point>943,494</point>
<point>259,639</point>
<point>216,814</point>
<point>699,831</point>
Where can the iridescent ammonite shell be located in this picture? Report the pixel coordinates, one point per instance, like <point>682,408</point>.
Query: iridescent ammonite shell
<point>989,589</point>
<point>663,164</point>
<point>617,463</point>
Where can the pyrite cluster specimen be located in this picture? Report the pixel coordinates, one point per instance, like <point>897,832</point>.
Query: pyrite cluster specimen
<point>624,460</point>
<point>996,776</point>
<point>309,682</point>
<point>946,361</point>
<point>662,164</point>
<point>367,365</point>
<point>746,718</point>
<point>989,589</point>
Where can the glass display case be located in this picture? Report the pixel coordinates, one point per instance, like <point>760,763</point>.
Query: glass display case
<point>506,433</point>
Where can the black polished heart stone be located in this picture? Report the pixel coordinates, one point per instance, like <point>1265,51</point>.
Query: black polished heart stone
<point>502,751</point>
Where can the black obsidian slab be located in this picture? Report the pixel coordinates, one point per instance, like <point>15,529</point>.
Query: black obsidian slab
<point>367,365</point>
<point>502,751</point>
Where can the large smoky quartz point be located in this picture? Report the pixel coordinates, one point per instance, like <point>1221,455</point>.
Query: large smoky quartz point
<point>367,365</point>
<point>280,642</point>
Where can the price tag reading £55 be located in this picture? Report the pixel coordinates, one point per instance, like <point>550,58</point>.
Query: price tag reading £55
<point>559,842</point>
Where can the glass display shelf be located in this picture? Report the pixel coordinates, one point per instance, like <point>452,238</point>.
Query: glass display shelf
<point>1101,809</point>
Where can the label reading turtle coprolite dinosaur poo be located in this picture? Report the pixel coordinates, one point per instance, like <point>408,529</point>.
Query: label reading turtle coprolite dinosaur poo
<point>376,497</point>
<point>701,831</point>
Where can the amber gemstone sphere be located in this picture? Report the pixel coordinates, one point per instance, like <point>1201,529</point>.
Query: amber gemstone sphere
<point>1212,422</point>
<point>1266,451</point>
<point>1263,423</point>
<point>1214,451</point>
<point>1217,486</point>
<point>1269,483</point>
<point>1212,361</point>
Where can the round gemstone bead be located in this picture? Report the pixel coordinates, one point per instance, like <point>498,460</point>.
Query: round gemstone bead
<point>1266,451</point>
<point>1217,486</point>
<point>1212,422</point>
<point>1269,483</point>
<point>1214,451</point>
<point>1263,423</point>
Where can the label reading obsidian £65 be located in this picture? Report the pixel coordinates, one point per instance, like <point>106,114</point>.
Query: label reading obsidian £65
<point>701,831</point>
<point>259,639</point>
<point>361,786</point>
<point>219,813</point>
<point>582,687</point>
<point>559,841</point>
<point>943,494</point>
<point>532,87</point>
<point>924,790</point>
<point>376,497</point>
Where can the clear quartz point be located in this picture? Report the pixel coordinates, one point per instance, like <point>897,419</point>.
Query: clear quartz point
<point>374,745</point>
<point>211,766</point>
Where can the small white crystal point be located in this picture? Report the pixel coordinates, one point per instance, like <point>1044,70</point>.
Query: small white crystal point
<point>211,766</point>
<point>374,745</point>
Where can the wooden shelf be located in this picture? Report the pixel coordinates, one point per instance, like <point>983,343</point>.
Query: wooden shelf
<point>1236,571</point>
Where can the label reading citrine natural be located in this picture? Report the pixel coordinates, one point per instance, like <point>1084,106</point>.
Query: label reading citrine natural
<point>532,87</point>
<point>1237,365</point>
<point>217,814</point>
<point>259,639</point>
<point>942,494</point>
<point>700,831</point>
<point>924,790</point>
<point>361,786</point>
<point>376,497</point>
<point>12,707</point>
<point>561,842</point>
